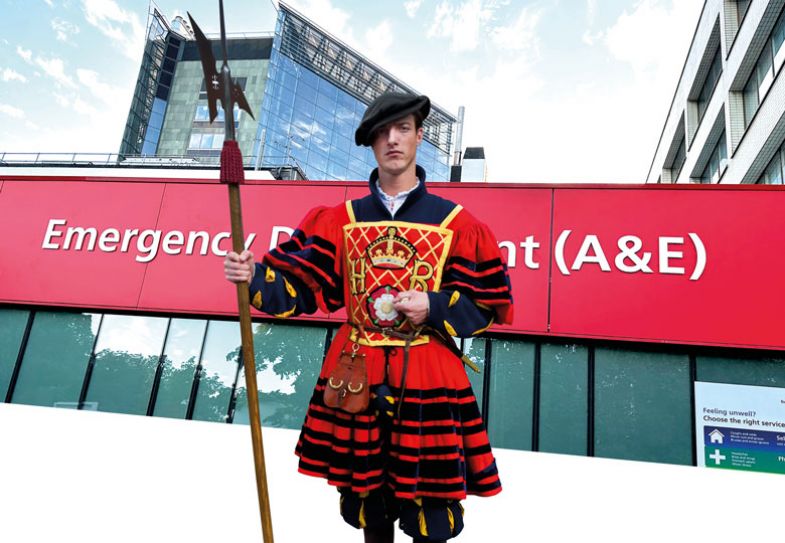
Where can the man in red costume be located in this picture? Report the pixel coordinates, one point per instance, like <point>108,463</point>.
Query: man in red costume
<point>412,269</point>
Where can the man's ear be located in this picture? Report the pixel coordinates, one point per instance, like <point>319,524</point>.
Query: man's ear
<point>420,133</point>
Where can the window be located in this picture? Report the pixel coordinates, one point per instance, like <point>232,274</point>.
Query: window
<point>12,328</point>
<point>126,357</point>
<point>202,114</point>
<point>288,362</point>
<point>642,406</point>
<point>239,80</point>
<point>217,371</point>
<point>716,164</point>
<point>563,398</point>
<point>56,358</point>
<point>678,161</point>
<point>741,9</point>
<point>766,69</point>
<point>178,367</point>
<point>707,90</point>
<point>511,395</point>
<point>206,140</point>
<point>773,175</point>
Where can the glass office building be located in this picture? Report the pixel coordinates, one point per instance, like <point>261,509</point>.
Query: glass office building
<point>308,92</point>
<point>153,85</point>
<point>317,91</point>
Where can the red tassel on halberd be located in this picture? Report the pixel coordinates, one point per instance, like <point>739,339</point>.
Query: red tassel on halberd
<point>232,163</point>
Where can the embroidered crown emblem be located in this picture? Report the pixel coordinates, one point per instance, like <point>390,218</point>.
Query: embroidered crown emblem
<point>390,251</point>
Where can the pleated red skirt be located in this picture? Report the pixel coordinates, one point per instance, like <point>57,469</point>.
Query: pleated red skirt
<point>438,447</point>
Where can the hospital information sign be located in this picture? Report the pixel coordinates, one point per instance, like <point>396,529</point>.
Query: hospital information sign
<point>740,427</point>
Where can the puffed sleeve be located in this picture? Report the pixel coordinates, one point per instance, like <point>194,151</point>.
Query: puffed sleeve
<point>302,274</point>
<point>475,290</point>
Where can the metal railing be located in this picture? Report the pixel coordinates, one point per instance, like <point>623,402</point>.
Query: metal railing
<point>282,167</point>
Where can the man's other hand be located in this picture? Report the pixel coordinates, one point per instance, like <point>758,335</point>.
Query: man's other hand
<point>414,304</point>
<point>239,268</point>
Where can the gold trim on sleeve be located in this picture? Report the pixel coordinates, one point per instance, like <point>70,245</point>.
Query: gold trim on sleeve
<point>450,329</point>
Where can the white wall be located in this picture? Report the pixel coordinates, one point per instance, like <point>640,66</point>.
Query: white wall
<point>96,477</point>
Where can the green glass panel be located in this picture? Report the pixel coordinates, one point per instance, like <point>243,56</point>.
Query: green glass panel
<point>126,356</point>
<point>12,328</point>
<point>181,355</point>
<point>563,399</point>
<point>511,394</point>
<point>288,362</point>
<point>761,371</point>
<point>642,406</point>
<point>474,348</point>
<point>55,361</point>
<point>219,371</point>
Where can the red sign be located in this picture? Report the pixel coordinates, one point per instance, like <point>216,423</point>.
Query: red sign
<point>665,264</point>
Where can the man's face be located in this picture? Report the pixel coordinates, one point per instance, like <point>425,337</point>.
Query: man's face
<point>395,145</point>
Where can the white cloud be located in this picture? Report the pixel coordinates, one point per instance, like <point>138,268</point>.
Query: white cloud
<point>64,29</point>
<point>461,24</point>
<point>49,3</point>
<point>412,7</point>
<point>521,34</point>
<point>591,11</point>
<point>12,75</point>
<point>378,39</point>
<point>26,54</point>
<point>121,26</point>
<point>12,111</point>
<point>645,38</point>
<point>31,125</point>
<point>62,100</point>
<point>590,38</point>
<point>55,68</point>
<point>332,19</point>
<point>83,108</point>
<point>99,89</point>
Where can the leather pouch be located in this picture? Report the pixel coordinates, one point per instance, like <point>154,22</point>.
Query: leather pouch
<point>347,387</point>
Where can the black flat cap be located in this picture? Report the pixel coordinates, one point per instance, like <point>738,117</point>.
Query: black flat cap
<point>389,107</point>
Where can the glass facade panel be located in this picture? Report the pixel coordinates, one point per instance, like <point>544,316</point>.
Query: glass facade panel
<point>288,362</point>
<point>178,367</point>
<point>773,173</point>
<point>305,110</point>
<point>642,406</point>
<point>12,329</point>
<point>707,90</point>
<point>678,160</point>
<point>126,356</point>
<point>716,163</point>
<point>56,358</point>
<point>474,348</point>
<point>741,370</point>
<point>766,69</point>
<point>511,395</point>
<point>218,372</point>
<point>563,399</point>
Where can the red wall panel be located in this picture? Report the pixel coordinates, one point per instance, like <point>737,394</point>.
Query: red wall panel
<point>719,284</point>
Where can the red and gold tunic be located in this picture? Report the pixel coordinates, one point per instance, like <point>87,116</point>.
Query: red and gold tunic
<point>357,256</point>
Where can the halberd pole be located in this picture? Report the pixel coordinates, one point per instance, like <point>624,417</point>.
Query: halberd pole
<point>228,92</point>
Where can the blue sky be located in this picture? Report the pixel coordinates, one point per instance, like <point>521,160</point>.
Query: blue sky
<point>555,90</point>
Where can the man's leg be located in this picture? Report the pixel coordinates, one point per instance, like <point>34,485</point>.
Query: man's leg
<point>380,534</point>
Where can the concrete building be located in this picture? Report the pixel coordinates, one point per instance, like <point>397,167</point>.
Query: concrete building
<point>726,123</point>
<point>307,89</point>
